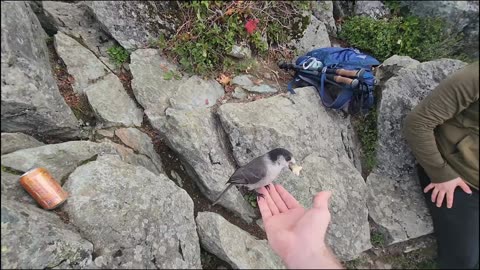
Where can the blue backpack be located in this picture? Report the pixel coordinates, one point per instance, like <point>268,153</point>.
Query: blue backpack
<point>342,76</point>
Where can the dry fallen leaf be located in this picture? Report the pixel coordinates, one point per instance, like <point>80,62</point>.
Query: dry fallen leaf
<point>224,79</point>
<point>229,11</point>
<point>258,82</point>
<point>164,68</point>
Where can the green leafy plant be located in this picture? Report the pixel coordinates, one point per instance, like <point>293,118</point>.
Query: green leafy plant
<point>171,74</point>
<point>118,54</point>
<point>211,29</point>
<point>420,38</point>
<point>251,199</point>
<point>377,239</point>
<point>367,132</point>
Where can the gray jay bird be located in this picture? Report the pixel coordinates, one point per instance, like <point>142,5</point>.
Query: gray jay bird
<point>261,171</point>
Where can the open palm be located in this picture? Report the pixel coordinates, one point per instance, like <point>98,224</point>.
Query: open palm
<point>296,234</point>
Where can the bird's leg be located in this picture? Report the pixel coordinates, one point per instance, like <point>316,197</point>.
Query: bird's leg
<point>267,187</point>
<point>259,194</point>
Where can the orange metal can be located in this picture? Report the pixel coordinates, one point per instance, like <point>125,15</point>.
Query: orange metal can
<point>40,184</point>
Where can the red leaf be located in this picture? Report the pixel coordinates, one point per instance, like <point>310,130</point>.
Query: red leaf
<point>251,26</point>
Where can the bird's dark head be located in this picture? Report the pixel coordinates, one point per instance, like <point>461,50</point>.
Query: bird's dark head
<point>281,156</point>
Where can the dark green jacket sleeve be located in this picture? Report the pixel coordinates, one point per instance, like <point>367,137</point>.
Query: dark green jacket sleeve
<point>448,99</point>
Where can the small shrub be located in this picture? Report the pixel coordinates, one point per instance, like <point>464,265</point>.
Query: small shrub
<point>423,39</point>
<point>377,239</point>
<point>118,54</point>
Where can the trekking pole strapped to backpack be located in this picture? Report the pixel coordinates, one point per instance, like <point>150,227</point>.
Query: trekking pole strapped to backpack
<point>344,69</point>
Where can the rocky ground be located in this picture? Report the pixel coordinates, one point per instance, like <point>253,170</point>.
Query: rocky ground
<point>143,154</point>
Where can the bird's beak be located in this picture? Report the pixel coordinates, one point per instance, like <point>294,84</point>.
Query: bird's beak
<point>291,162</point>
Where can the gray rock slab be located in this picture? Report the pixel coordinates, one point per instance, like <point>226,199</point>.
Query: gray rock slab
<point>394,178</point>
<point>59,159</point>
<point>12,190</point>
<point>314,36</point>
<point>323,11</point>
<point>233,245</point>
<point>151,89</point>
<point>139,142</point>
<point>373,9</point>
<point>197,137</point>
<point>81,63</point>
<point>111,103</point>
<point>299,123</point>
<point>31,102</point>
<point>12,142</point>
<point>33,238</point>
<point>247,83</point>
<point>146,220</point>
<point>134,23</point>
<point>196,92</point>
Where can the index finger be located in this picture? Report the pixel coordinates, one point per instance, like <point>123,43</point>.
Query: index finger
<point>289,200</point>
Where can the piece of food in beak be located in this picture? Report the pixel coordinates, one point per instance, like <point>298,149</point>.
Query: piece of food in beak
<point>295,169</point>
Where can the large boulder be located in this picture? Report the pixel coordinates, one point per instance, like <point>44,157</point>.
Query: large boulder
<point>36,239</point>
<point>150,86</point>
<point>12,142</point>
<point>373,9</point>
<point>128,155</point>
<point>139,220</point>
<point>198,138</point>
<point>313,37</point>
<point>134,23</point>
<point>462,17</point>
<point>299,123</point>
<point>316,137</point>
<point>395,198</point>
<point>349,232</point>
<point>233,245</point>
<point>31,102</point>
<point>81,63</point>
<point>111,103</point>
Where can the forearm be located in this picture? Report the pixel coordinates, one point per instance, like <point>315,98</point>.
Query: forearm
<point>448,99</point>
<point>322,258</point>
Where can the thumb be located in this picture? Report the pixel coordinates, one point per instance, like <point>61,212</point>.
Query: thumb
<point>465,187</point>
<point>321,199</point>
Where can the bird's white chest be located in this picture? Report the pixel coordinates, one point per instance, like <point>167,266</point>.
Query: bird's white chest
<point>271,175</point>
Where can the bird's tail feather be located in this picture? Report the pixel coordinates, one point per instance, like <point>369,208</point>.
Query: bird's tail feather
<point>221,194</point>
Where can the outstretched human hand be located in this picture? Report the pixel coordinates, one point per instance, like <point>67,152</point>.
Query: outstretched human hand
<point>446,190</point>
<point>296,234</point>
